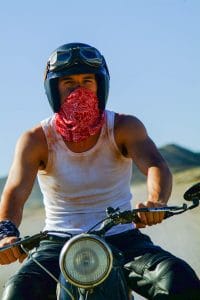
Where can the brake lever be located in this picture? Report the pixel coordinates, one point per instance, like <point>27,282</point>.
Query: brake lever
<point>28,242</point>
<point>33,241</point>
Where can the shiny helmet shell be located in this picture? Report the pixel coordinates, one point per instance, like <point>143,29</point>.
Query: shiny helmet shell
<point>77,65</point>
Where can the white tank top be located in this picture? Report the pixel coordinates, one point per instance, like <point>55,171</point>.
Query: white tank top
<point>78,187</point>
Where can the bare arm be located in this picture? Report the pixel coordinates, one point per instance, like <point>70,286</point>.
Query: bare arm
<point>30,155</point>
<point>133,137</point>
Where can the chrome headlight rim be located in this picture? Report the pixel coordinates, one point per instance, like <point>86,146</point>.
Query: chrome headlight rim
<point>79,238</point>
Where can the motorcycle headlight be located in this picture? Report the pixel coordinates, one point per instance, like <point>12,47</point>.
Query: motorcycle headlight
<point>86,260</point>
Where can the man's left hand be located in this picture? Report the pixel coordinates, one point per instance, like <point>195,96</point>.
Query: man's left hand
<point>149,218</point>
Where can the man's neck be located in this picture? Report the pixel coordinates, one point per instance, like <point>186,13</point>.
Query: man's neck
<point>85,145</point>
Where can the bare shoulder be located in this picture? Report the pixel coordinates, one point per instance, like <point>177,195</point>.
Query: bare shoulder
<point>32,144</point>
<point>127,126</point>
<point>33,137</point>
<point>132,137</point>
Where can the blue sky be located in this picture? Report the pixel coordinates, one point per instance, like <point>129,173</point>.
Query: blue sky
<point>152,49</point>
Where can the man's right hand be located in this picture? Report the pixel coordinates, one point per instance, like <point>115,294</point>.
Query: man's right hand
<point>10,255</point>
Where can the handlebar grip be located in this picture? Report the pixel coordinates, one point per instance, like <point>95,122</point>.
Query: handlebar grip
<point>136,218</point>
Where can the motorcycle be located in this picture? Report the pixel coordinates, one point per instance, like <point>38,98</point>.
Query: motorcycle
<point>91,267</point>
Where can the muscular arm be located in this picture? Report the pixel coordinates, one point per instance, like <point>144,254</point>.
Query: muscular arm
<point>30,155</point>
<point>132,136</point>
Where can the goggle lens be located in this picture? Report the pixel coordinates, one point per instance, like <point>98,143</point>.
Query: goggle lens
<point>58,59</point>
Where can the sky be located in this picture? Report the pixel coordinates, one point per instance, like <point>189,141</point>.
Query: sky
<point>152,48</point>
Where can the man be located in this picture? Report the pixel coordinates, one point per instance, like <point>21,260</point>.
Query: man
<point>83,157</point>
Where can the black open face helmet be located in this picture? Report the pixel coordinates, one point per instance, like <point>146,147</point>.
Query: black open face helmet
<point>71,59</point>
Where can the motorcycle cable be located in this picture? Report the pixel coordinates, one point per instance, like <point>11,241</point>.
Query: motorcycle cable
<point>47,271</point>
<point>100,222</point>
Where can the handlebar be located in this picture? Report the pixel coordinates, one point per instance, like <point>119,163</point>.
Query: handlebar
<point>115,217</point>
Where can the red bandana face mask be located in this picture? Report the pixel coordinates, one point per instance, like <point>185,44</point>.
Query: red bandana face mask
<point>79,116</point>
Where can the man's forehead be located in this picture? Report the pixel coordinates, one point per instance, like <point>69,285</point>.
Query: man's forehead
<point>88,75</point>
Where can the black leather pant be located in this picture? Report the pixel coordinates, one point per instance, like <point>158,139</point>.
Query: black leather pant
<point>149,270</point>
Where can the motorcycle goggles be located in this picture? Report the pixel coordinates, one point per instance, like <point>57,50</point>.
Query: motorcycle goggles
<point>67,58</point>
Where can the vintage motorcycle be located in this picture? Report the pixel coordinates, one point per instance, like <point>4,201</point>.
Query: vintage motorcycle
<point>90,267</point>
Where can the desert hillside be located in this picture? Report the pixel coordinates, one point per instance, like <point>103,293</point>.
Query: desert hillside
<point>178,158</point>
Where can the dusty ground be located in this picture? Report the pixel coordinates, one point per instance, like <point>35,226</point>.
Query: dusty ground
<point>180,235</point>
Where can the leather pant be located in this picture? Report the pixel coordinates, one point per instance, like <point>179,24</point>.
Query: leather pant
<point>149,270</point>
